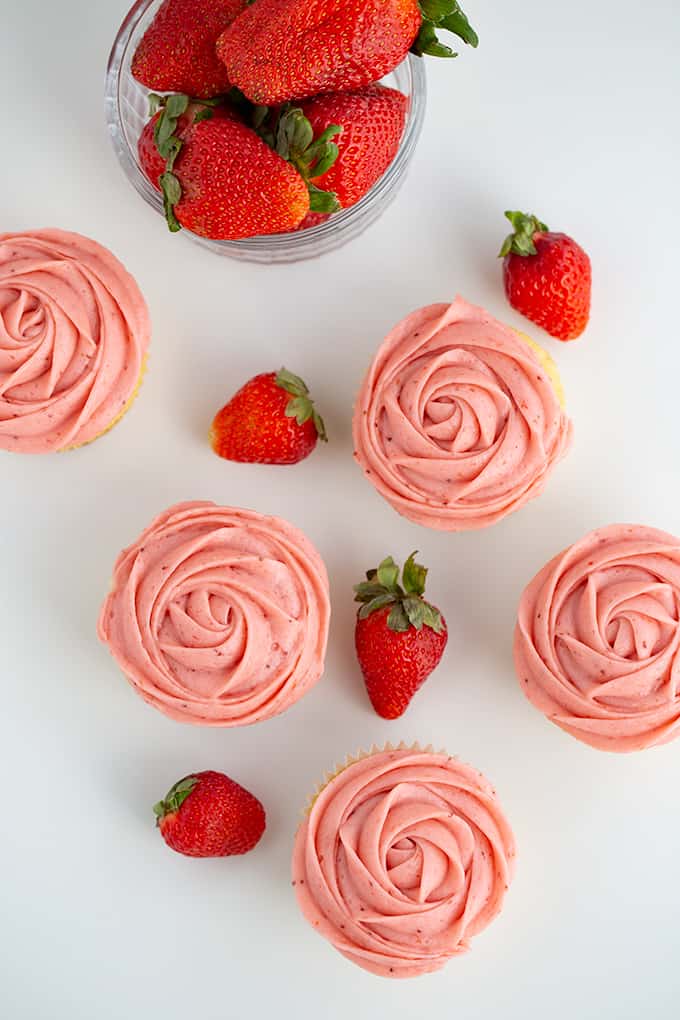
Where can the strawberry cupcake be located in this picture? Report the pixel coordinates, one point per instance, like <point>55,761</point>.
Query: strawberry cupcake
<point>597,642</point>
<point>218,616</point>
<point>403,857</point>
<point>74,332</point>
<point>459,421</point>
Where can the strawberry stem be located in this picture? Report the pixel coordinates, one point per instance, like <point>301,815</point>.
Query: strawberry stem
<point>408,607</point>
<point>447,15</point>
<point>521,241</point>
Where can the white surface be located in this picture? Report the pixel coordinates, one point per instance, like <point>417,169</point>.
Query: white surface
<point>571,112</point>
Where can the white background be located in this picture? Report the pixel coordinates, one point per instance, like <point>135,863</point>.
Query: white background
<point>566,110</point>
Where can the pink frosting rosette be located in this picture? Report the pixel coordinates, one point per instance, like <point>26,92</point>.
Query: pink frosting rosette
<point>458,422</point>
<point>404,856</point>
<point>597,642</point>
<point>74,330</point>
<point>218,616</point>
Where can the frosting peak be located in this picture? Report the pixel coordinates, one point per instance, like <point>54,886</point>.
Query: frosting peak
<point>458,422</point>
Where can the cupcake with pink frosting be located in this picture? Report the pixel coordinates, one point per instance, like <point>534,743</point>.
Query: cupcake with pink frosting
<point>218,616</point>
<point>74,332</point>
<point>459,421</point>
<point>403,856</point>
<point>597,642</point>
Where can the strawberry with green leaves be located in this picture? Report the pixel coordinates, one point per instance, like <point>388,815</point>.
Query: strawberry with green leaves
<point>281,50</point>
<point>221,180</point>
<point>399,636</point>
<point>271,420</point>
<point>209,815</point>
<point>547,277</point>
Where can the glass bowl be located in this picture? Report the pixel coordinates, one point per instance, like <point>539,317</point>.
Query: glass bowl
<point>127,112</point>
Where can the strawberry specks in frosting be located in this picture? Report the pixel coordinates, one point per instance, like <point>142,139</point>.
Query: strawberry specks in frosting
<point>404,856</point>
<point>597,642</point>
<point>452,424</point>
<point>219,616</point>
<point>74,330</point>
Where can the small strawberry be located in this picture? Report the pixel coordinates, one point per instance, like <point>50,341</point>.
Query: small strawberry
<point>177,51</point>
<point>220,179</point>
<point>271,420</point>
<point>209,815</point>
<point>547,277</point>
<point>372,121</point>
<point>278,50</point>
<point>400,638</point>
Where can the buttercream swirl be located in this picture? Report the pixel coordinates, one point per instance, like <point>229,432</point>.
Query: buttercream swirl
<point>74,329</point>
<point>218,616</point>
<point>404,856</point>
<point>597,642</point>
<point>458,422</point>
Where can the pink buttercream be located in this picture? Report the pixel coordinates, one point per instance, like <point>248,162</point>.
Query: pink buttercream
<point>219,616</point>
<point>597,643</point>
<point>404,856</point>
<point>74,329</point>
<point>458,423</point>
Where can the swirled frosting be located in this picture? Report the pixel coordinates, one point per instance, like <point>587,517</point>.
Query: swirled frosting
<point>458,422</point>
<point>597,642</point>
<point>218,616</point>
<point>74,329</point>
<point>404,856</point>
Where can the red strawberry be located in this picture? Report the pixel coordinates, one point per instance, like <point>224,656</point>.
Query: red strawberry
<point>372,121</point>
<point>222,181</point>
<point>313,219</point>
<point>209,815</point>
<point>547,277</point>
<point>400,638</point>
<point>177,51</point>
<point>271,420</point>
<point>278,50</point>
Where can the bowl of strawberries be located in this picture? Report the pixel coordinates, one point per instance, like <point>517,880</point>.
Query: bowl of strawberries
<point>273,130</point>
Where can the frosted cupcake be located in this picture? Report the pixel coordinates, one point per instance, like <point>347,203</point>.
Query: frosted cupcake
<point>459,421</point>
<point>403,857</point>
<point>74,331</point>
<point>218,616</point>
<point>597,643</point>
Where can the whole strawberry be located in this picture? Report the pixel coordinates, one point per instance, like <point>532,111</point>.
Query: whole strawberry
<point>271,420</point>
<point>372,122</point>
<point>400,638</point>
<point>177,51</point>
<point>209,815</point>
<point>278,50</point>
<point>547,277</point>
<point>221,180</point>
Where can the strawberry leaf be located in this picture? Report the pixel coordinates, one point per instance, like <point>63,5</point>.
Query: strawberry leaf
<point>291,383</point>
<point>388,574</point>
<point>415,576</point>
<point>172,192</point>
<point>398,620</point>
<point>433,618</point>
<point>447,15</point>
<point>379,602</point>
<point>175,797</point>
<point>414,608</point>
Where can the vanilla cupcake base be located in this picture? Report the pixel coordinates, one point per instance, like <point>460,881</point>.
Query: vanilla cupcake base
<point>403,856</point>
